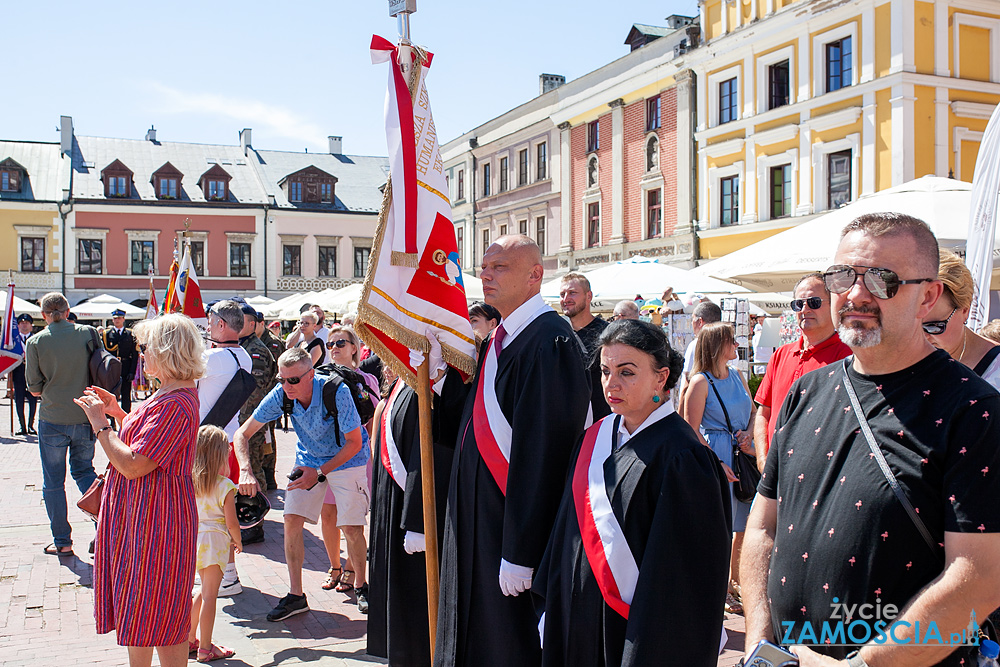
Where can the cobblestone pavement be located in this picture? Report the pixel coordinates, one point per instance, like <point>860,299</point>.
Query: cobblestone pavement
<point>46,603</point>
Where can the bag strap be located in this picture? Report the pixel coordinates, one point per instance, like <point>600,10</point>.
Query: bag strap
<point>884,465</point>
<point>985,362</point>
<point>725,412</point>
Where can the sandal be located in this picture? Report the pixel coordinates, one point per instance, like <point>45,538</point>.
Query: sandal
<point>331,579</point>
<point>53,550</point>
<point>214,653</point>
<point>733,606</point>
<point>193,647</point>
<point>345,582</point>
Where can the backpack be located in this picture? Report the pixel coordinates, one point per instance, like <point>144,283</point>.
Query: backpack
<point>105,368</point>
<point>335,376</point>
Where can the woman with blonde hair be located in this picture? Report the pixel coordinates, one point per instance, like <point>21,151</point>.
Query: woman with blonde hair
<point>718,407</point>
<point>144,556</point>
<point>311,343</point>
<point>945,326</point>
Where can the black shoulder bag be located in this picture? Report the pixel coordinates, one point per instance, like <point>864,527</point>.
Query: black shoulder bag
<point>232,398</point>
<point>744,465</point>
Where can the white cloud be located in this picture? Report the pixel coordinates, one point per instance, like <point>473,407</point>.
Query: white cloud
<point>270,119</point>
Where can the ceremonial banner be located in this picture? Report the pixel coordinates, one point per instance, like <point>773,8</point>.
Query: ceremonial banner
<point>983,220</point>
<point>414,282</point>
<point>11,346</point>
<point>187,292</point>
<point>151,308</point>
<point>170,303</point>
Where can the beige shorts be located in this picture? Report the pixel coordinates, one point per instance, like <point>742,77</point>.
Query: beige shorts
<point>351,489</point>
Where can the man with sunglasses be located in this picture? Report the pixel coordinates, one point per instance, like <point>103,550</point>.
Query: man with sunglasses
<point>880,490</point>
<point>818,346</point>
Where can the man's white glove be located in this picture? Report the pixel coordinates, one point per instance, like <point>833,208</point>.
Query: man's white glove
<point>414,542</point>
<point>514,579</point>
<point>436,367</point>
<point>541,631</point>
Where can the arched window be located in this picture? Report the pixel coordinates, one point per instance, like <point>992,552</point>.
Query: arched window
<point>652,153</point>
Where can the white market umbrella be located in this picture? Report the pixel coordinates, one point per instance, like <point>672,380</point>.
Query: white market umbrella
<point>777,262</point>
<point>101,307</point>
<point>289,308</point>
<point>258,301</point>
<point>341,301</point>
<point>21,306</point>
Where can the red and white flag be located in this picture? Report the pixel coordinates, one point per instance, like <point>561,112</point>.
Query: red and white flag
<point>414,282</point>
<point>983,220</point>
<point>11,345</point>
<point>151,308</point>
<point>187,292</point>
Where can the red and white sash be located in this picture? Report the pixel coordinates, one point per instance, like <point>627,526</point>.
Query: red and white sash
<point>604,542</point>
<point>391,460</point>
<point>493,431</point>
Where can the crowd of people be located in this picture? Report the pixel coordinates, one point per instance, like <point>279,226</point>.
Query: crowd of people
<point>586,511</point>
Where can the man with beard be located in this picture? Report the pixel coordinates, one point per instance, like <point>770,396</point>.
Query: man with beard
<point>880,488</point>
<point>575,296</point>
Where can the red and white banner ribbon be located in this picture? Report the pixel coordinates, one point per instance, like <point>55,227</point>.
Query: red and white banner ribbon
<point>391,460</point>
<point>493,431</point>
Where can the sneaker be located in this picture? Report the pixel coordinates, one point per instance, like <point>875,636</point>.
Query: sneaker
<point>362,594</point>
<point>230,588</point>
<point>290,605</point>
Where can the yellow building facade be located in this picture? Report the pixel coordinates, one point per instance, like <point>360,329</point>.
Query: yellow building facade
<point>805,105</point>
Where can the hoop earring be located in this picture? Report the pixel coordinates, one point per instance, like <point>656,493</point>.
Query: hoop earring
<point>656,398</point>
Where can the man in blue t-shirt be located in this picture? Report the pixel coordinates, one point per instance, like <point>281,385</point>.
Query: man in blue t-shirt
<point>325,458</point>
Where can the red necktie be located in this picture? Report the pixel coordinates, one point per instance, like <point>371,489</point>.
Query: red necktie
<point>498,337</point>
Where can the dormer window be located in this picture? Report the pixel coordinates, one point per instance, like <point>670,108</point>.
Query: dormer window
<point>117,180</point>
<point>167,182</point>
<point>310,186</point>
<point>215,184</point>
<point>11,175</point>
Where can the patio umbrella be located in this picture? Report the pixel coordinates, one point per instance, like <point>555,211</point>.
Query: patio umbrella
<point>258,301</point>
<point>100,308</point>
<point>777,262</point>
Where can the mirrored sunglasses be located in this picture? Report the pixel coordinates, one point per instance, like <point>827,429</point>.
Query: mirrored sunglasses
<point>814,302</point>
<point>882,283</point>
<point>937,327</point>
<point>337,343</point>
<point>292,380</point>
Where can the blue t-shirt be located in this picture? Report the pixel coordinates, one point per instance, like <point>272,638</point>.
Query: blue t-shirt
<point>317,443</point>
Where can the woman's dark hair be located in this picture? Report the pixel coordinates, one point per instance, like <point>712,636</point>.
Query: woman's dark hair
<point>485,311</point>
<point>647,338</point>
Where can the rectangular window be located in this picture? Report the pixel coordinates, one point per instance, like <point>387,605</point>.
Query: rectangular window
<point>593,136</point>
<point>328,261</point>
<point>168,188</point>
<point>460,243</point>
<point>653,113</point>
<point>142,257</point>
<point>216,189</point>
<point>777,85</point>
<point>198,257</point>
<point>540,233</point>
<point>729,200</point>
<point>838,170</point>
<point>32,254</point>
<point>295,191</point>
<point>781,191</point>
<point>503,230</point>
<point>838,64</point>
<point>486,180</point>
<point>728,101</point>
<point>9,181</point>
<point>91,253</point>
<point>593,225</point>
<point>460,195</point>
<point>116,186</point>
<point>654,214</point>
<point>291,260</point>
<point>541,157</point>
<point>361,261</point>
<point>522,167</point>
<point>503,174</point>
<point>486,241</point>
<point>326,192</point>
<point>239,260</point>
<point>522,227</point>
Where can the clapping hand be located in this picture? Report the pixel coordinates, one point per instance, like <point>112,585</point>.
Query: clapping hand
<point>111,407</point>
<point>93,407</point>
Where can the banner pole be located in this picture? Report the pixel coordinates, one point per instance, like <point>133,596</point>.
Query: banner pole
<point>430,505</point>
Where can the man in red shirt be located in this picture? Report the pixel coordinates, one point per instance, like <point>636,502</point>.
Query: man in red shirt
<point>819,345</point>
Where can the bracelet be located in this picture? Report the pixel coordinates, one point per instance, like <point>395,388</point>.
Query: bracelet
<point>854,659</point>
<point>102,430</point>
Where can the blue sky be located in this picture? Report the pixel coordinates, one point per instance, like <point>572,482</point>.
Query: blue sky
<point>293,72</point>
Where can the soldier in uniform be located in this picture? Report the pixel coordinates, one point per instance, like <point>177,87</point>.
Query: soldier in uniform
<point>276,345</point>
<point>264,370</point>
<point>120,342</point>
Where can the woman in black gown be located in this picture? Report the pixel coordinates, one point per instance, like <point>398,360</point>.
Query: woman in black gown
<point>636,568</point>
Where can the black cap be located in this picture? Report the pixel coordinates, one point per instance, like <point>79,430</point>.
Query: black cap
<point>248,309</point>
<point>71,317</point>
<point>211,304</point>
<point>118,312</point>
<point>260,316</point>
<point>25,317</point>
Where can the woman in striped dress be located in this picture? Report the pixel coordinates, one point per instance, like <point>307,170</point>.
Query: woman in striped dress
<point>146,534</point>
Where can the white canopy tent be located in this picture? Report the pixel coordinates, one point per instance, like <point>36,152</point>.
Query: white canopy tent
<point>100,308</point>
<point>259,301</point>
<point>776,263</point>
<point>21,306</point>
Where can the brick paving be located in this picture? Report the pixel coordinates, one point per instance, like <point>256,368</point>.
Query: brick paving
<point>46,603</point>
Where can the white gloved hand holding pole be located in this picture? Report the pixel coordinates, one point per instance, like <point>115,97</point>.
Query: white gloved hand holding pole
<point>514,579</point>
<point>414,542</point>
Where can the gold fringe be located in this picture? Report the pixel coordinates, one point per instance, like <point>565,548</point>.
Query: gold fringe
<point>407,259</point>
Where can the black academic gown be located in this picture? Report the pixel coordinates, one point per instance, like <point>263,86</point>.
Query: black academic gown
<point>666,490</point>
<point>543,389</point>
<point>397,616</point>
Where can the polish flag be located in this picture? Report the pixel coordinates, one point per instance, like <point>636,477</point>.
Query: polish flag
<point>187,291</point>
<point>151,308</point>
<point>11,346</point>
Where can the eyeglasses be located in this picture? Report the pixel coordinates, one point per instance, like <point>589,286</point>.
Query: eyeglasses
<point>937,327</point>
<point>301,322</point>
<point>882,283</point>
<point>814,302</point>
<point>337,344</point>
<point>294,380</point>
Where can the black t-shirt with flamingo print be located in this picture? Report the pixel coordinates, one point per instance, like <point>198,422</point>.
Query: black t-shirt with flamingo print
<point>841,532</point>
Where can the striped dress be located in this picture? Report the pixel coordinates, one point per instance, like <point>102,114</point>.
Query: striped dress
<point>145,552</point>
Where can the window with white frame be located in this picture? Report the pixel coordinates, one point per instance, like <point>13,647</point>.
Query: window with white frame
<point>729,200</point>
<point>522,167</point>
<point>486,179</point>
<point>143,250</point>
<point>838,178</point>
<point>839,64</point>
<point>835,172</point>
<point>835,59</point>
<point>780,179</point>
<point>522,227</point>
<point>541,164</point>
<point>731,77</point>
<point>540,233</point>
<point>776,79</point>
<point>593,136</point>
<point>503,171</point>
<point>486,241</point>
<point>654,213</point>
<point>460,193</point>
<point>593,224</point>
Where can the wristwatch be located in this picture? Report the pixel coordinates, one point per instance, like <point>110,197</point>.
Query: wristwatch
<point>854,659</point>
<point>320,477</point>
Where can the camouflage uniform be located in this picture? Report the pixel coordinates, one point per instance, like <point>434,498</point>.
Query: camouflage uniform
<point>264,370</point>
<point>276,346</point>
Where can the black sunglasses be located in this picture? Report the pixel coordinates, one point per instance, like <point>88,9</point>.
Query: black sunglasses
<point>337,343</point>
<point>882,283</point>
<point>294,380</point>
<point>937,327</point>
<point>814,302</point>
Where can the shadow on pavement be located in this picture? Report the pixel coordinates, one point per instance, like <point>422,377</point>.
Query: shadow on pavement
<point>316,655</point>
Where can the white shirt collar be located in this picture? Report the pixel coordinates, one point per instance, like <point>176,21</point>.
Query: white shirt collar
<point>656,415</point>
<point>522,316</point>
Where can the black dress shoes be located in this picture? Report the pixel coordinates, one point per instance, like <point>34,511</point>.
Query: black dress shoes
<point>21,432</point>
<point>32,431</point>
